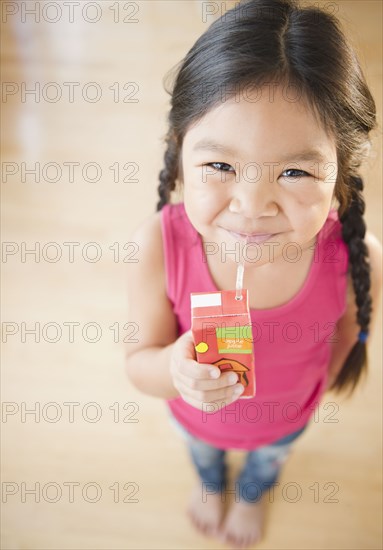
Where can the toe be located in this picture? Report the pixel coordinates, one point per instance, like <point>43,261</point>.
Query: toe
<point>226,537</point>
<point>199,525</point>
<point>211,529</point>
<point>232,540</point>
<point>236,543</point>
<point>221,535</point>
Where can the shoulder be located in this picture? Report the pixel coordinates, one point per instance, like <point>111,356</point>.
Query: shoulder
<point>171,216</point>
<point>148,304</point>
<point>375,253</point>
<point>148,266</point>
<point>148,237</point>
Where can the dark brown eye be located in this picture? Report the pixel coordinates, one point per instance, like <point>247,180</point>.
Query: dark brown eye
<point>221,166</point>
<point>301,173</point>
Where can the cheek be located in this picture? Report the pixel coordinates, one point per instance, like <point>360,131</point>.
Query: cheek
<point>309,208</point>
<point>202,204</point>
<point>313,194</point>
<point>207,195</point>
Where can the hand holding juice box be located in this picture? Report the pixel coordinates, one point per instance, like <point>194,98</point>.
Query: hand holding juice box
<point>221,329</point>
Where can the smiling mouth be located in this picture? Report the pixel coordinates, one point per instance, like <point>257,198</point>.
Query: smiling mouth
<point>255,238</point>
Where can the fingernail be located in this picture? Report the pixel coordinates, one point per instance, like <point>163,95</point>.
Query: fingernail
<point>232,378</point>
<point>238,389</point>
<point>214,373</point>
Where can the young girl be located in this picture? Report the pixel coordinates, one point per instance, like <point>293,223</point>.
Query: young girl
<point>269,123</point>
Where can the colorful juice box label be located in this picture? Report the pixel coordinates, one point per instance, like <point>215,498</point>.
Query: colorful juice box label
<point>221,328</point>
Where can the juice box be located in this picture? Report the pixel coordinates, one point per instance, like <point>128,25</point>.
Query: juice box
<point>221,329</point>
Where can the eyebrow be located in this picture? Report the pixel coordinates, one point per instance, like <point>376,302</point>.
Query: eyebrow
<point>307,154</point>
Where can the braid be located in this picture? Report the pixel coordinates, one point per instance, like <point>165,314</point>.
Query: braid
<point>353,232</point>
<point>168,174</point>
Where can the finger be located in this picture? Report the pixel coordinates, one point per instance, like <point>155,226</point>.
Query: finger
<point>206,385</point>
<point>228,394</point>
<point>201,392</point>
<point>198,371</point>
<point>188,342</point>
<point>202,384</point>
<point>211,406</point>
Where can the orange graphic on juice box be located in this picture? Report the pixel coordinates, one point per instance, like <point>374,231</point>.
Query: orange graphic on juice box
<point>236,366</point>
<point>221,328</point>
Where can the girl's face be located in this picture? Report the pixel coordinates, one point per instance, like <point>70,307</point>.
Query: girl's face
<point>258,165</point>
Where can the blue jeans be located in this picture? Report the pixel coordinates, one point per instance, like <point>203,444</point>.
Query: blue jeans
<point>260,471</point>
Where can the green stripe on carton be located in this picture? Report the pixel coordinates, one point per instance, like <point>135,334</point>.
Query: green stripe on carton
<point>234,332</point>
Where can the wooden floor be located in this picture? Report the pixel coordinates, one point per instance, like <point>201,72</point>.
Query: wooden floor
<point>108,470</point>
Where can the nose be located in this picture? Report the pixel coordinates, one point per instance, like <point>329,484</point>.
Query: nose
<point>253,198</point>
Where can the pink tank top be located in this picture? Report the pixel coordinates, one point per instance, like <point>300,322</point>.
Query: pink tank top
<point>292,342</point>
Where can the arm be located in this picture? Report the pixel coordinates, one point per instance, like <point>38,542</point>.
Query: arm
<point>160,363</point>
<point>347,326</point>
<point>148,360</point>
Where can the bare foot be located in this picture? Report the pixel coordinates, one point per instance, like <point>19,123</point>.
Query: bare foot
<point>243,525</point>
<point>205,511</point>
